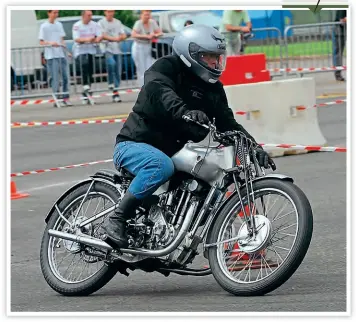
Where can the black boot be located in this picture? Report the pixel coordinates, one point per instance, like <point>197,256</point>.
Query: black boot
<point>338,77</point>
<point>115,225</point>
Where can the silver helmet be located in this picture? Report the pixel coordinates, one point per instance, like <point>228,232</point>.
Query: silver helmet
<point>203,50</point>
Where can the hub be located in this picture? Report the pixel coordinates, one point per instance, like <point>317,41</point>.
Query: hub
<point>71,246</point>
<point>258,242</point>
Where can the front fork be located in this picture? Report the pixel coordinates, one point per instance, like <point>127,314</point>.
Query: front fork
<point>249,219</point>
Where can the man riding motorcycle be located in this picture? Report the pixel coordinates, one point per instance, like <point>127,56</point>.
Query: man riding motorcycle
<point>184,83</point>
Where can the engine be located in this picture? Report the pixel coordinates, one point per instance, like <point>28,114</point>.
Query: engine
<point>154,229</point>
<point>160,222</point>
<point>162,232</point>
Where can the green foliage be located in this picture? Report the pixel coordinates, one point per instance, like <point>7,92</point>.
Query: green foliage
<point>127,17</point>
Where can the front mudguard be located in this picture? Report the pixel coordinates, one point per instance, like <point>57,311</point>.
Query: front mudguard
<point>218,211</point>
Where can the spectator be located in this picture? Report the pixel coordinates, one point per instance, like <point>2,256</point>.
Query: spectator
<point>13,76</point>
<point>188,23</point>
<point>143,32</point>
<point>44,76</point>
<point>232,25</point>
<point>86,34</point>
<point>113,31</point>
<point>339,42</point>
<point>52,34</point>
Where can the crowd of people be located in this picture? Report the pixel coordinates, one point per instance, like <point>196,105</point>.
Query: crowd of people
<point>109,32</point>
<point>87,35</point>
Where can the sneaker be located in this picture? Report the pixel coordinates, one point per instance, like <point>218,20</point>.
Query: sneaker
<point>117,98</point>
<point>339,78</point>
<point>67,102</point>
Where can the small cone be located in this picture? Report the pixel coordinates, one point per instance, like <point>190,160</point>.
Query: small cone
<point>15,194</point>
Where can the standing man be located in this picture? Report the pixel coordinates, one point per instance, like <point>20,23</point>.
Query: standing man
<point>339,42</point>
<point>52,35</point>
<point>143,32</point>
<point>232,25</point>
<point>86,34</point>
<point>113,31</point>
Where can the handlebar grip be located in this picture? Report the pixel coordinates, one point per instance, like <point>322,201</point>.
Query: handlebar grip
<point>188,119</point>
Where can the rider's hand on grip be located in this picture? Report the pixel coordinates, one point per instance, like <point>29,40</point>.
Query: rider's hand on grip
<point>197,116</point>
<point>264,159</point>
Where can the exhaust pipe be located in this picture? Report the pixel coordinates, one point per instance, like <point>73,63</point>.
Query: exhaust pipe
<point>96,242</point>
<point>90,241</point>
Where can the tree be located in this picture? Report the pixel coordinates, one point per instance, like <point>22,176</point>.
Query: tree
<point>127,17</point>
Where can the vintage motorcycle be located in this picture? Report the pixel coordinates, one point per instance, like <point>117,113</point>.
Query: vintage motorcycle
<point>254,239</point>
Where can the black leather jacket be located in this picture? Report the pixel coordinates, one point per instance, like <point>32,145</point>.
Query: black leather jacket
<point>171,90</point>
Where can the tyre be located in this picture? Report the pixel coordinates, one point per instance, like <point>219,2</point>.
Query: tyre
<point>259,265</point>
<point>67,266</point>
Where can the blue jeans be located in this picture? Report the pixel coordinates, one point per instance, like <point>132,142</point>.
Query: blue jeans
<point>114,68</point>
<point>151,167</point>
<point>55,67</point>
<point>338,42</point>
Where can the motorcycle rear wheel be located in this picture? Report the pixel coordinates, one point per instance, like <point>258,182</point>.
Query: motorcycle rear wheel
<point>58,279</point>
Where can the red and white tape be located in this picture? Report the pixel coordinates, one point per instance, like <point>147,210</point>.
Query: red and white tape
<point>29,124</point>
<point>310,69</point>
<point>283,146</point>
<point>49,123</point>
<point>322,104</point>
<point>42,101</point>
<point>26,173</point>
<point>305,147</point>
<point>305,107</point>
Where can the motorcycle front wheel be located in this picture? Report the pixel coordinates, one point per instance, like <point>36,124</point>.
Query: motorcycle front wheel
<point>259,264</point>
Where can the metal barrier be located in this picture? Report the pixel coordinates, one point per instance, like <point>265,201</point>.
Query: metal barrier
<point>270,45</point>
<point>31,76</point>
<point>308,49</point>
<point>93,69</point>
<point>31,73</point>
<point>101,64</point>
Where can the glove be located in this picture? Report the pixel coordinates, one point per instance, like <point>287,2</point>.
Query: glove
<point>264,159</point>
<point>198,116</point>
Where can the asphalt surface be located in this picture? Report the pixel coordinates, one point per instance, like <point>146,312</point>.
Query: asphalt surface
<point>318,285</point>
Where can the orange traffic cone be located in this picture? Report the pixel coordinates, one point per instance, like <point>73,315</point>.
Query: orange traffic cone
<point>15,194</point>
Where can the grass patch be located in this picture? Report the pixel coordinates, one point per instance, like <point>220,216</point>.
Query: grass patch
<point>315,48</point>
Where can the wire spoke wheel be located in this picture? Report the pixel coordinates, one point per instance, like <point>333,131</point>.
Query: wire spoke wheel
<point>72,268</point>
<point>243,266</point>
<point>70,261</point>
<point>255,264</point>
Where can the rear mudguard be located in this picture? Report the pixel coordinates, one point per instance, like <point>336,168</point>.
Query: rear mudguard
<point>107,176</point>
<point>266,177</point>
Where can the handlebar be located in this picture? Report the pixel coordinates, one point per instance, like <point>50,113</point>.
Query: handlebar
<point>230,138</point>
<point>188,119</point>
<point>221,137</point>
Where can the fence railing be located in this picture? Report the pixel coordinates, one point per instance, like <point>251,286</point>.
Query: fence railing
<point>308,49</point>
<point>31,73</point>
<point>270,43</point>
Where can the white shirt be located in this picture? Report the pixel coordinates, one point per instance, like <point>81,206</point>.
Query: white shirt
<point>140,28</point>
<point>52,32</point>
<point>112,28</point>
<point>81,30</point>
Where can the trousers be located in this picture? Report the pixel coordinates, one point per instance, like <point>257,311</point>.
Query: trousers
<point>150,166</point>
